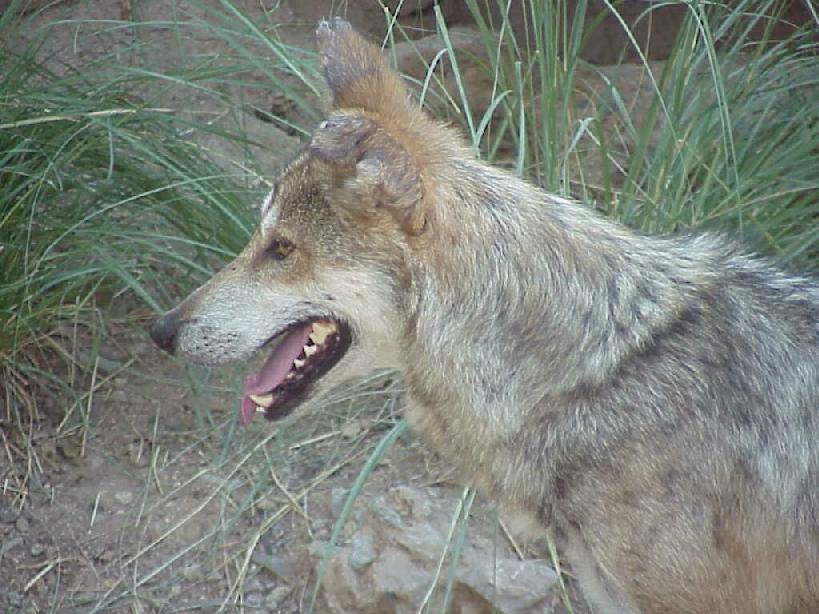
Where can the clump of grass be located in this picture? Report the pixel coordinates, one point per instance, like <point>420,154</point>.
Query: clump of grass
<point>728,141</point>
<point>104,194</point>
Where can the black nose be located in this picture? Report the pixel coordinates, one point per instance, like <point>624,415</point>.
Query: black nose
<point>163,332</point>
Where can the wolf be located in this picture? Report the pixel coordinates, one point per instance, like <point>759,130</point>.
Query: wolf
<point>652,403</point>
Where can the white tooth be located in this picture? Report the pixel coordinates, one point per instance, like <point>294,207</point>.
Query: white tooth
<point>262,400</point>
<point>309,350</point>
<point>260,409</point>
<point>322,330</point>
<point>290,375</point>
<point>298,363</point>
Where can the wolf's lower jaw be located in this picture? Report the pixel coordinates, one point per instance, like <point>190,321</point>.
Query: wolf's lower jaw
<point>307,350</point>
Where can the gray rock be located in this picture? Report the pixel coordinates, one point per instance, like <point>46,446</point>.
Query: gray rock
<point>13,598</point>
<point>390,563</point>
<point>124,497</point>
<point>276,597</point>
<point>139,453</point>
<point>193,573</point>
<point>142,348</point>
<point>254,600</point>
<point>120,396</point>
<point>37,549</point>
<point>338,496</point>
<point>104,365</point>
<point>409,501</point>
<point>9,544</point>
<point>22,524</point>
<point>386,513</point>
<point>281,568</point>
<point>351,429</point>
<point>266,503</point>
<point>362,551</point>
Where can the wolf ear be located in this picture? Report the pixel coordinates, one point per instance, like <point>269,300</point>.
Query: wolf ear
<point>357,71</point>
<point>370,170</point>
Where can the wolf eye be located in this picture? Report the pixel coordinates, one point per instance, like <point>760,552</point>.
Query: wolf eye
<point>279,249</point>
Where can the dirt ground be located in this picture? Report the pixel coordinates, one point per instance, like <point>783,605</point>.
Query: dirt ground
<point>160,503</point>
<point>146,495</point>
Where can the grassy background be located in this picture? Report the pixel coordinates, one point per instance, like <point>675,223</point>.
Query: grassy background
<point>107,190</point>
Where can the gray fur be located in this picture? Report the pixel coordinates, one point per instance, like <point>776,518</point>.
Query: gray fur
<point>653,402</point>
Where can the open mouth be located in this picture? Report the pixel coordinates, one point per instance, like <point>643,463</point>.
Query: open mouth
<point>307,351</point>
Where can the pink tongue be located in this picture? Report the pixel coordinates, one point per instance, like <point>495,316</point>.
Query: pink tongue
<point>274,370</point>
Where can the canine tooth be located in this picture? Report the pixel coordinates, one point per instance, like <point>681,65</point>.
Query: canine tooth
<point>309,350</point>
<point>298,363</point>
<point>322,330</point>
<point>290,375</point>
<point>260,409</point>
<point>262,400</point>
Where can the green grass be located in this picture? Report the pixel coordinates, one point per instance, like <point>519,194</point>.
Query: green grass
<point>104,197</point>
<point>727,143</point>
<point>107,191</point>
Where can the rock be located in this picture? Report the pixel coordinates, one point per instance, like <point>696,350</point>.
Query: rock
<point>390,562</point>
<point>399,575</point>
<point>9,544</point>
<point>37,549</point>
<point>282,569</point>
<point>8,516</point>
<point>142,348</point>
<point>351,429</point>
<point>13,598</point>
<point>22,524</point>
<point>71,448</point>
<point>192,530</point>
<point>386,513</point>
<point>362,551</point>
<point>338,496</point>
<point>104,365</point>
<point>276,596</point>
<point>252,583</point>
<point>139,452</point>
<point>409,501</point>
<point>266,503</point>
<point>193,573</point>
<point>124,497</point>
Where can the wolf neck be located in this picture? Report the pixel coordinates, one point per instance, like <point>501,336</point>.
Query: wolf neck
<point>529,296</point>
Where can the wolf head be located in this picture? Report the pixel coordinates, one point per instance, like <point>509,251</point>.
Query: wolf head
<point>323,284</point>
